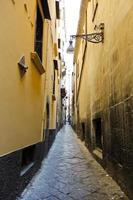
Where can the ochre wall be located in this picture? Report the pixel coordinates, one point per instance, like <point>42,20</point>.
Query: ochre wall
<point>21,102</point>
<point>107,71</point>
<point>106,87</point>
<point>51,53</point>
<point>106,81</point>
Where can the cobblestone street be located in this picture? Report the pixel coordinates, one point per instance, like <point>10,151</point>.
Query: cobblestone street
<point>71,173</point>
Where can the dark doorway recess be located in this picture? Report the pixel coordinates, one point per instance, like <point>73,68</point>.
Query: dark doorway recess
<point>27,160</point>
<point>98,133</point>
<point>83,130</point>
<point>47,115</point>
<point>39,33</point>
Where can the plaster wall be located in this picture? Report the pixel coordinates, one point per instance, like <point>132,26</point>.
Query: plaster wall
<point>21,101</point>
<point>105,87</point>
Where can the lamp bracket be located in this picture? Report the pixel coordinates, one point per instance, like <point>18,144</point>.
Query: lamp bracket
<point>93,37</point>
<point>96,37</point>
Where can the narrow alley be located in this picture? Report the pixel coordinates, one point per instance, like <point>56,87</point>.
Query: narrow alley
<point>70,173</point>
<point>66,100</point>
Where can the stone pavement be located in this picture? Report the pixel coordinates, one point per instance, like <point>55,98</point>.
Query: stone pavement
<point>71,173</point>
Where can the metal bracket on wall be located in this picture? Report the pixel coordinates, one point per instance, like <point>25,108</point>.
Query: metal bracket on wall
<point>96,37</point>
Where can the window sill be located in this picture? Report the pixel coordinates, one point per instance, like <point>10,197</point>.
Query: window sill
<point>26,169</point>
<point>37,62</point>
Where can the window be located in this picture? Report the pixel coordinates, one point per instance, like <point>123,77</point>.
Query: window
<point>47,115</point>
<point>45,8</point>
<point>57,9</point>
<point>55,64</point>
<point>39,33</point>
<point>83,130</point>
<point>54,83</point>
<point>27,160</point>
<point>55,68</point>
<point>59,43</point>
<point>60,56</point>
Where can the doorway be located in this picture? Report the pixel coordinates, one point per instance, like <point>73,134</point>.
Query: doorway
<point>98,134</point>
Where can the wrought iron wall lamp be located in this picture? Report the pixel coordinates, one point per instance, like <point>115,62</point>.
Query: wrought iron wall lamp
<point>95,38</point>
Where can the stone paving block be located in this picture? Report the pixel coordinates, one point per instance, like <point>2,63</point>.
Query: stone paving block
<point>50,198</point>
<point>70,173</point>
<point>79,194</point>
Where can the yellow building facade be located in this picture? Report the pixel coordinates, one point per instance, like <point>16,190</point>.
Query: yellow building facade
<point>103,86</point>
<point>21,95</point>
<point>29,88</point>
